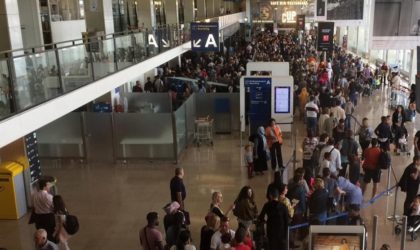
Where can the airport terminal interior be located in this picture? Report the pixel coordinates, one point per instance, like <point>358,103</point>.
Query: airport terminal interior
<point>293,123</point>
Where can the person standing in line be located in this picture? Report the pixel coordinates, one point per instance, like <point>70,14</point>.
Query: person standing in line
<point>183,242</point>
<point>43,209</point>
<point>308,145</point>
<point>365,134</point>
<point>335,158</point>
<point>274,141</point>
<point>60,232</point>
<point>312,111</point>
<point>409,183</point>
<point>216,239</point>
<point>277,221</point>
<point>371,167</point>
<point>318,202</point>
<point>417,143</point>
<point>207,231</point>
<point>177,187</point>
<point>384,72</point>
<point>260,151</point>
<point>349,109</point>
<point>384,133</point>
<point>137,88</point>
<point>148,86</point>
<point>245,207</point>
<point>42,242</point>
<point>322,118</point>
<point>150,236</point>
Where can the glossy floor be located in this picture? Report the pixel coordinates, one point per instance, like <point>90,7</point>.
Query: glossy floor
<point>111,201</point>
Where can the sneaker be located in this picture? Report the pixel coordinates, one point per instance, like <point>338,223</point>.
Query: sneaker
<point>410,229</point>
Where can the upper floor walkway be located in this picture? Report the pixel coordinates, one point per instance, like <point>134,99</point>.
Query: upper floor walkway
<point>39,85</point>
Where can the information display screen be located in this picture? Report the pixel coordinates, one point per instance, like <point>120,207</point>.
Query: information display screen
<point>282,97</point>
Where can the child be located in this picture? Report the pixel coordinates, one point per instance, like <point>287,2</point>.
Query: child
<point>249,160</point>
<point>226,240</point>
<point>325,162</point>
<point>415,214</point>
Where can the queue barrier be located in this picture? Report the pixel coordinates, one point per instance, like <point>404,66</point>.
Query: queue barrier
<point>345,214</point>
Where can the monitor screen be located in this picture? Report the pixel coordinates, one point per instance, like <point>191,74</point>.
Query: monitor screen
<point>337,237</point>
<point>282,100</point>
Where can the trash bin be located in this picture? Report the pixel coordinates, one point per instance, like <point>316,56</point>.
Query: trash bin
<point>12,191</point>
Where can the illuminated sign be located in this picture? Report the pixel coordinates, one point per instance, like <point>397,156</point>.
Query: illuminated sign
<point>288,17</point>
<point>289,3</point>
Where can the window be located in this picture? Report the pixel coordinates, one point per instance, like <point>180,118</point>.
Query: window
<point>65,10</point>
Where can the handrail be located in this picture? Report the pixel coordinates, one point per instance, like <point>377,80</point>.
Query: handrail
<point>125,32</point>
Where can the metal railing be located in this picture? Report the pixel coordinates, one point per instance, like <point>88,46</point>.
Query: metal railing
<point>29,77</point>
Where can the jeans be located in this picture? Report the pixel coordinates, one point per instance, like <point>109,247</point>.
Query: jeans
<point>321,217</point>
<point>353,98</point>
<point>347,122</point>
<point>311,123</point>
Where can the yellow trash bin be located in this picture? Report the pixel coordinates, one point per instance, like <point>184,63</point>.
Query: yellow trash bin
<point>12,191</point>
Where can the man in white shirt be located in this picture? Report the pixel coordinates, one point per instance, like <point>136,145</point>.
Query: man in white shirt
<point>216,239</point>
<point>338,111</point>
<point>312,111</point>
<point>43,209</point>
<point>335,162</point>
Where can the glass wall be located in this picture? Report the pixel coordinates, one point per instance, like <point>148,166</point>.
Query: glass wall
<point>65,10</point>
<point>125,14</point>
<point>4,90</point>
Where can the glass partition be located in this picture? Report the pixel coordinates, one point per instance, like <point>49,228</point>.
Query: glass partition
<point>140,52</point>
<point>99,132</point>
<point>181,128</point>
<point>62,138</point>
<point>147,103</point>
<point>36,79</point>
<point>190,116</point>
<point>66,10</point>
<point>103,58</point>
<point>5,105</point>
<point>125,51</point>
<point>143,136</point>
<point>75,65</point>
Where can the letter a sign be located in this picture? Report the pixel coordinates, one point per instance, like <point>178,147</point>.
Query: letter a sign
<point>205,37</point>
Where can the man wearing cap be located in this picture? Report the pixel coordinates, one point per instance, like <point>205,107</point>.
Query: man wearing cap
<point>150,236</point>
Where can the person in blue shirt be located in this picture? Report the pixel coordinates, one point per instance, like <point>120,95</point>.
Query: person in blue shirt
<point>353,197</point>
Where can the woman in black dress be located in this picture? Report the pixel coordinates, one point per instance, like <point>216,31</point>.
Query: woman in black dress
<point>260,151</point>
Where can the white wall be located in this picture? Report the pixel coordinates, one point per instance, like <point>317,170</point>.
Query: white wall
<point>67,30</point>
<point>30,21</point>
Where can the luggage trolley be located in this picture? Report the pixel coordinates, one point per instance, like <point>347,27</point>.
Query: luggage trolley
<point>203,131</point>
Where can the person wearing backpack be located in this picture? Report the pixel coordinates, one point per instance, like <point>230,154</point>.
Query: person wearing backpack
<point>365,134</point>
<point>409,183</point>
<point>371,167</point>
<point>60,232</point>
<point>309,144</point>
<point>348,151</point>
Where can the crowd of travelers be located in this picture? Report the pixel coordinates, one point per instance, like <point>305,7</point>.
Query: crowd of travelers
<point>336,166</point>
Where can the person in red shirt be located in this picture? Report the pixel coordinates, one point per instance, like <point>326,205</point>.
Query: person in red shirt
<point>240,239</point>
<point>371,166</point>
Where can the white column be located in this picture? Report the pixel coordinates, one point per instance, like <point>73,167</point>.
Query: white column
<point>146,13</point>
<point>108,17</point>
<point>172,14</point>
<point>30,21</point>
<point>188,11</point>
<point>201,9</point>
<point>210,8</point>
<point>10,26</point>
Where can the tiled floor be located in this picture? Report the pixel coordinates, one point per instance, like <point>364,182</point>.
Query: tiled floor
<point>111,201</point>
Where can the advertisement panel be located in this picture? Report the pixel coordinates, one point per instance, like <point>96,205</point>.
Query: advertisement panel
<point>300,22</point>
<point>345,9</point>
<point>282,12</point>
<point>325,36</point>
<point>396,24</point>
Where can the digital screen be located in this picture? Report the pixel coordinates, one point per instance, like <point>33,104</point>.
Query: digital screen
<point>282,100</point>
<point>336,241</point>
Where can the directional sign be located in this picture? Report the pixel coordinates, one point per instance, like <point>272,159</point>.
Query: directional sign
<point>205,36</point>
<point>325,36</point>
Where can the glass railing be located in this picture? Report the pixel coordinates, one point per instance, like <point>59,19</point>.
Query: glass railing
<point>29,77</point>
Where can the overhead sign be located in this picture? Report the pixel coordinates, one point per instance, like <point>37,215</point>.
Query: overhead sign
<point>325,36</point>
<point>152,41</point>
<point>300,22</point>
<point>205,36</point>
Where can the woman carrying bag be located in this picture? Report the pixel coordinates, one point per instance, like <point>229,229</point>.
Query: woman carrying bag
<point>60,213</point>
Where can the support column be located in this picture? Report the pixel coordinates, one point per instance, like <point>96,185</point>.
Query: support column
<point>146,10</point>
<point>217,5</point>
<point>201,9</point>
<point>210,8</point>
<point>248,10</point>
<point>100,18</point>
<point>172,13</point>
<point>188,11</point>
<point>10,26</point>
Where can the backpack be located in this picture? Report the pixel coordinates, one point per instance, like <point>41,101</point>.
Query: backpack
<point>72,224</point>
<point>384,161</point>
<point>365,135</point>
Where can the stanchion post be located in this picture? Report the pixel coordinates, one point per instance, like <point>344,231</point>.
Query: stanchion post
<point>388,192</point>
<point>395,202</point>
<point>375,232</point>
<point>288,238</point>
<point>403,232</point>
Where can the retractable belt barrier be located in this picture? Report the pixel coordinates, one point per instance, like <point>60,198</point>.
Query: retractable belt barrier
<point>344,214</point>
